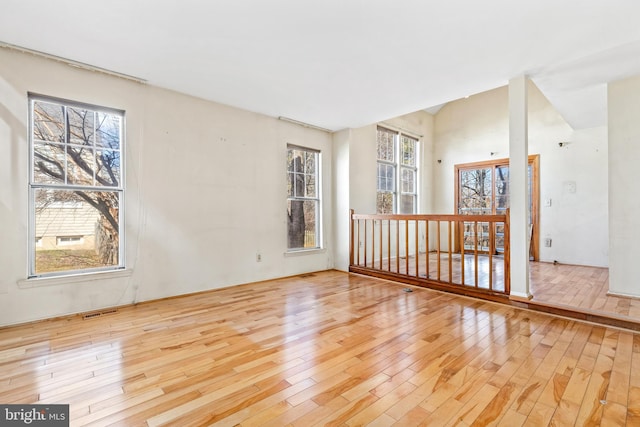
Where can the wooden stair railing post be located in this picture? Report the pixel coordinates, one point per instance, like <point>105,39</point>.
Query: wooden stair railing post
<point>492,226</point>
<point>351,233</point>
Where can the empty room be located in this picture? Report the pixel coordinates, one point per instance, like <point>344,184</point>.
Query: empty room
<point>296,213</point>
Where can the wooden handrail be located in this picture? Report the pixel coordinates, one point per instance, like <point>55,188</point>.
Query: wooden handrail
<point>472,263</point>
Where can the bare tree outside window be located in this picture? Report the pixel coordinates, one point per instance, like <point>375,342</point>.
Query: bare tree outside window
<point>76,186</point>
<point>303,201</point>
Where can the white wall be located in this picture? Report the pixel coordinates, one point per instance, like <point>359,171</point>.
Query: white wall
<point>363,161</point>
<point>624,200</point>
<point>469,130</point>
<point>358,162</point>
<point>205,191</point>
<point>341,186</point>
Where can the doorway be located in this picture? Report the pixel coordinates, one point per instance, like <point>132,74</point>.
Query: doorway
<point>482,188</point>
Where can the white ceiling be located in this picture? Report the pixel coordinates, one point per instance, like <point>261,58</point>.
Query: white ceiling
<point>344,63</point>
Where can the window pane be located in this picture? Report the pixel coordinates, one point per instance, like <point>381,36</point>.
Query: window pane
<point>310,163</point>
<point>310,186</point>
<point>74,234</point>
<point>407,204</point>
<point>296,158</point>
<point>302,229</point>
<point>48,122</point>
<point>80,165</point>
<point>408,145</point>
<point>475,191</point>
<point>386,145</point>
<point>408,180</point>
<point>49,163</point>
<point>384,202</point>
<point>81,126</point>
<point>108,130</point>
<point>386,177</point>
<point>108,168</point>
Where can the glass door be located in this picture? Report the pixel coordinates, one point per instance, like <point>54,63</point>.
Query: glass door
<point>483,189</point>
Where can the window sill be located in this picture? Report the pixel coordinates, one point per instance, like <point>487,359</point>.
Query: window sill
<point>72,278</point>
<point>301,252</point>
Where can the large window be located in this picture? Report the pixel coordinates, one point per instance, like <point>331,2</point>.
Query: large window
<point>397,162</point>
<point>75,187</point>
<point>303,198</point>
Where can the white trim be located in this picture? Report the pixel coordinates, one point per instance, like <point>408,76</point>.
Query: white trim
<point>300,252</point>
<point>36,282</point>
<point>72,63</point>
<point>520,295</point>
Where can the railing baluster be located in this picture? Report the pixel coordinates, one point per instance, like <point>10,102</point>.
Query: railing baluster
<point>380,263</point>
<point>491,249</point>
<point>358,244</point>
<point>389,245</point>
<point>438,248</point>
<point>365,242</point>
<point>461,237</point>
<point>398,246</point>
<point>426,248</point>
<point>373,243</point>
<point>369,251</point>
<point>449,244</point>
<point>417,248</point>
<point>475,255</point>
<point>406,247</point>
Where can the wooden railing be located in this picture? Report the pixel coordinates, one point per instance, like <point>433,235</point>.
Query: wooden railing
<point>467,254</point>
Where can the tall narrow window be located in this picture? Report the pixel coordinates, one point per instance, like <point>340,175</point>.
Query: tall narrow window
<point>397,162</point>
<point>303,198</point>
<point>75,187</point>
<point>408,174</point>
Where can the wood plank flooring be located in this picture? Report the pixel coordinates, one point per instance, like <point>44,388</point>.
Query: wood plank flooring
<point>581,287</point>
<point>575,286</point>
<point>331,349</point>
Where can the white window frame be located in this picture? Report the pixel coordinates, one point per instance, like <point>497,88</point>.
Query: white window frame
<point>398,168</point>
<point>318,198</point>
<point>33,186</point>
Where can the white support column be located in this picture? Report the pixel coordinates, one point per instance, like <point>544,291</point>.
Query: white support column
<point>518,188</point>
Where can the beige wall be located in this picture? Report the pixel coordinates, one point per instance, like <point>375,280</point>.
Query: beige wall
<point>359,171</point>
<point>469,130</point>
<point>624,197</point>
<point>205,192</point>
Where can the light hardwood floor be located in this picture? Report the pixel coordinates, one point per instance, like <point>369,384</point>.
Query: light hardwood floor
<point>573,286</point>
<point>329,348</point>
<point>581,287</point>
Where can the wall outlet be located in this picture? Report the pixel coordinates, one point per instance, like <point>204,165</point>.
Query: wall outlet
<point>547,242</point>
<point>258,257</point>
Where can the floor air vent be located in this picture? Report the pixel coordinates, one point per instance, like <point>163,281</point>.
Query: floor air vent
<point>94,314</point>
